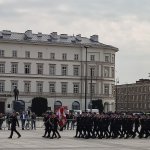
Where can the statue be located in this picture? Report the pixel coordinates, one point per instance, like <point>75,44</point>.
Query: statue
<point>16,93</point>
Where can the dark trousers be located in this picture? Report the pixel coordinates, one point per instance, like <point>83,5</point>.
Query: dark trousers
<point>14,130</point>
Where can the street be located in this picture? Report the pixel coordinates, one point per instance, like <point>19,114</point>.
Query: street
<point>32,140</point>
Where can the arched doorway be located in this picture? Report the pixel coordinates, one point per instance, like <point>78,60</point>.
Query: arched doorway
<point>57,105</point>
<point>75,105</point>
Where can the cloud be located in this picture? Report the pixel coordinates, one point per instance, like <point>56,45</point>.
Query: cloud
<point>121,23</point>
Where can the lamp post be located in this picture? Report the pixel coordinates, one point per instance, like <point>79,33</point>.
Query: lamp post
<point>117,81</point>
<point>86,47</point>
<point>91,90</point>
<point>127,99</point>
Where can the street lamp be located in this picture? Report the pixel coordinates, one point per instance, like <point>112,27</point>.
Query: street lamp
<point>117,81</point>
<point>91,90</point>
<point>86,47</point>
<point>127,98</point>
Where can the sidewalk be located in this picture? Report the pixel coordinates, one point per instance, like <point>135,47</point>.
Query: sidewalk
<point>32,140</point>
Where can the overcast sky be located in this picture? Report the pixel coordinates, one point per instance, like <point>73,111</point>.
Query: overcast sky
<point>122,23</point>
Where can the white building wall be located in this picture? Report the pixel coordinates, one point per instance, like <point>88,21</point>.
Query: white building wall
<point>21,48</point>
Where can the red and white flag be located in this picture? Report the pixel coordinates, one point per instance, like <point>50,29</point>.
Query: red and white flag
<point>61,115</point>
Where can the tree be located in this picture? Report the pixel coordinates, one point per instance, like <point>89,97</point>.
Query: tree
<point>39,105</point>
<point>97,104</point>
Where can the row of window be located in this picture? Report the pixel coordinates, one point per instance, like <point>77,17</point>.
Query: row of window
<point>108,57</point>
<point>52,69</point>
<point>135,89</point>
<point>52,87</point>
<point>142,97</point>
<point>134,106</point>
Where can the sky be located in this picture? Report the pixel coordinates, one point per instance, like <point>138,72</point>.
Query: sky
<point>124,24</point>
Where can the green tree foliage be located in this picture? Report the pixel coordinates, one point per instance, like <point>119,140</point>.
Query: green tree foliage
<point>39,105</point>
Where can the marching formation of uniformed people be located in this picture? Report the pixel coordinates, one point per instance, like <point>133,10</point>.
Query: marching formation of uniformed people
<point>51,122</point>
<point>91,125</point>
<point>112,125</point>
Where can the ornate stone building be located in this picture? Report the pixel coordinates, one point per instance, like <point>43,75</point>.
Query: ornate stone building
<point>54,66</point>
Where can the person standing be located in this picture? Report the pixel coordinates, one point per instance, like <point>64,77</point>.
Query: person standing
<point>33,120</point>
<point>1,120</point>
<point>23,118</point>
<point>14,123</point>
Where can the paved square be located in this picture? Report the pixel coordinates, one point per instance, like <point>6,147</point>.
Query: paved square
<point>32,140</point>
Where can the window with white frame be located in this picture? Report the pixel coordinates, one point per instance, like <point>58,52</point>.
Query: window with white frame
<point>52,69</point>
<point>14,53</point>
<point>76,57</point>
<point>52,56</point>
<point>76,70</point>
<point>39,68</point>
<point>39,87</point>
<point>64,70</point>
<point>113,58</point>
<point>27,86</point>
<point>27,54</point>
<point>2,86</point>
<point>64,87</point>
<point>92,71</point>
<point>93,88</point>
<point>14,68</point>
<point>40,55</point>
<point>2,53</point>
<point>112,72</point>
<point>52,87</point>
<point>64,56</point>
<point>107,57</point>
<point>27,68</point>
<point>92,57</point>
<point>106,71</point>
<point>106,89</point>
<point>2,67</point>
<point>75,88</point>
<point>13,85</point>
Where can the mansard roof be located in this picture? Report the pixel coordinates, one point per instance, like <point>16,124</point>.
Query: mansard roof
<point>53,38</point>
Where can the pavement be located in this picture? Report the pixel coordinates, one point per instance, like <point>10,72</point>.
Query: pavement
<point>32,140</point>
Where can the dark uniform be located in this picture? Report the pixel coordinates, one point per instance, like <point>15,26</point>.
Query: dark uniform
<point>14,123</point>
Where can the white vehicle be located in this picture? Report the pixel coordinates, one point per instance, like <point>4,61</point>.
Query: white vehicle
<point>77,111</point>
<point>93,110</point>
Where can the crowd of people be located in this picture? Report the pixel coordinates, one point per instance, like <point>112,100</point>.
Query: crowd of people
<point>112,125</point>
<point>88,125</point>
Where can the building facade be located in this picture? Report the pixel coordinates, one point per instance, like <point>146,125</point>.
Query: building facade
<point>55,66</point>
<point>134,97</point>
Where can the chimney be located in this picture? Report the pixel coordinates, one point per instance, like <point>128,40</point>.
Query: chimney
<point>6,32</point>
<point>39,34</point>
<point>94,38</point>
<point>63,36</point>
<point>28,34</point>
<point>54,35</point>
<point>1,36</point>
<point>78,37</point>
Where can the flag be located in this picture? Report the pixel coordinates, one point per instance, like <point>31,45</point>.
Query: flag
<point>61,115</point>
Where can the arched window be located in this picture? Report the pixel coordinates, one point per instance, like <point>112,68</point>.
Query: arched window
<point>57,104</point>
<point>75,105</point>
